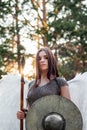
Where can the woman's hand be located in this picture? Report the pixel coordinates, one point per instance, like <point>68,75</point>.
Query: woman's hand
<point>22,114</point>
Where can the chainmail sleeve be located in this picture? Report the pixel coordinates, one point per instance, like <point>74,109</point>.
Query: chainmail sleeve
<point>61,82</point>
<point>31,83</point>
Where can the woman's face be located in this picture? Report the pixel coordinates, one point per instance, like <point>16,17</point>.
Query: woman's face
<point>43,61</point>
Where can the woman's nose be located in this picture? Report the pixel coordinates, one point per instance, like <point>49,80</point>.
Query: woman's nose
<point>42,59</point>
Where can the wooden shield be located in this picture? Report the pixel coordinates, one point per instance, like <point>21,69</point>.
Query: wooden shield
<point>53,103</point>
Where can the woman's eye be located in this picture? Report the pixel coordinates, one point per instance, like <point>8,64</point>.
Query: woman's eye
<point>46,57</point>
<point>39,58</point>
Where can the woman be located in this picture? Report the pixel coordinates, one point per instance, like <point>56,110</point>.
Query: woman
<point>47,81</point>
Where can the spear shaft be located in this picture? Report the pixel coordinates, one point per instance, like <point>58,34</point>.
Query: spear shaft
<point>22,61</point>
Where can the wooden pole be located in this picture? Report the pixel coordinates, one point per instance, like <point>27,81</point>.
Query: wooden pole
<point>22,63</point>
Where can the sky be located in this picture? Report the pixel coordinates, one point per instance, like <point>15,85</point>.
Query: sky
<point>30,46</point>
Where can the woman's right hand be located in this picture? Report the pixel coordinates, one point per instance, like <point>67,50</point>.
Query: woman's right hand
<point>20,115</point>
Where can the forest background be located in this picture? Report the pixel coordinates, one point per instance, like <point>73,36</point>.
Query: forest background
<point>58,24</point>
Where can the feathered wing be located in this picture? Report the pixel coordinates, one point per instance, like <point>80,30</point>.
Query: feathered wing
<point>10,101</point>
<point>78,92</point>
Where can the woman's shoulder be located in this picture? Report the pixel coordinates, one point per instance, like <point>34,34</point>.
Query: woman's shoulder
<point>31,83</point>
<point>60,78</point>
<point>61,81</point>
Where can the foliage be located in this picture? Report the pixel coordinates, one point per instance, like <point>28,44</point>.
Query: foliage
<point>5,58</point>
<point>10,47</point>
<point>59,24</point>
<point>65,28</point>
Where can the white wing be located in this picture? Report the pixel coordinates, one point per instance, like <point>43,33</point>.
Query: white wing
<point>10,101</point>
<point>78,92</point>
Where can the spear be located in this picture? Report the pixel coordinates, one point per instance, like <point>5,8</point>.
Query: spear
<point>22,63</point>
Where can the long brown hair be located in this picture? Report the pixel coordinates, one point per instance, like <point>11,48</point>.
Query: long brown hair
<point>52,66</point>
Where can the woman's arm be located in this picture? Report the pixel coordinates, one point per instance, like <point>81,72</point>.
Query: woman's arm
<point>65,92</point>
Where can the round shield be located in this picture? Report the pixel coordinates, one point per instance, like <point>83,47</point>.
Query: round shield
<point>51,105</point>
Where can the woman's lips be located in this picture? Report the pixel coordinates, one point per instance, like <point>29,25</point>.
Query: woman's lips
<point>43,64</point>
